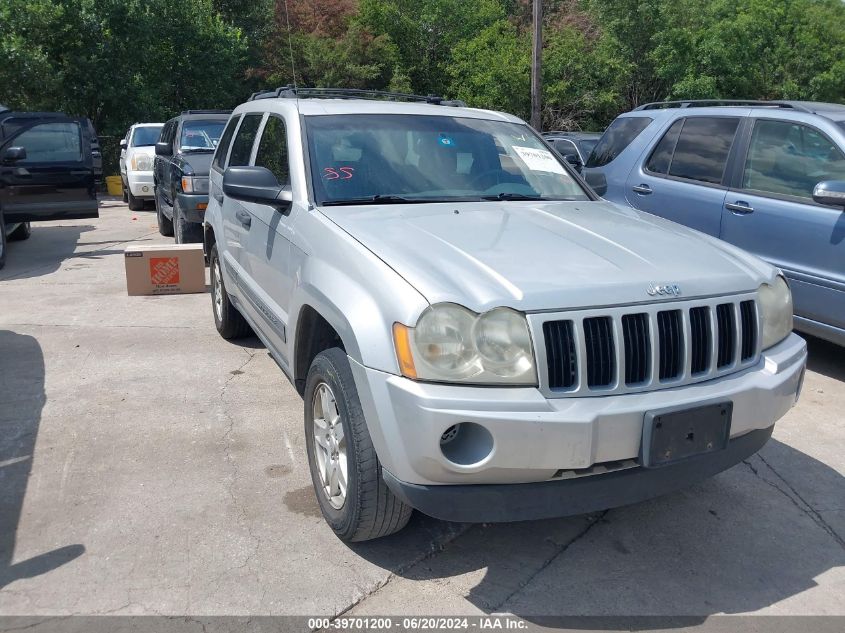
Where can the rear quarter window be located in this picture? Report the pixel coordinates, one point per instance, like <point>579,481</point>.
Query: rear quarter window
<point>616,138</point>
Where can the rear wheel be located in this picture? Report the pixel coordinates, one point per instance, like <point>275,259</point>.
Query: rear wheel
<point>345,470</point>
<point>23,232</point>
<point>165,225</point>
<point>229,322</point>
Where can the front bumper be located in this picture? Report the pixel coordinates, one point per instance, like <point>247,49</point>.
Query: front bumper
<point>140,183</point>
<point>534,438</point>
<point>494,503</point>
<point>192,206</point>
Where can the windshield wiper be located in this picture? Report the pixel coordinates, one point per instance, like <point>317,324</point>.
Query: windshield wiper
<point>382,199</point>
<point>192,150</point>
<point>513,196</point>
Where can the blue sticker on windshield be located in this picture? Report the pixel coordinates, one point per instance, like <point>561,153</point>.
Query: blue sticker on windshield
<point>446,141</point>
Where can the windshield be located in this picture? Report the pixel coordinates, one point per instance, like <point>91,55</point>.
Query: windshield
<point>202,135</point>
<point>402,158</point>
<point>586,145</point>
<point>145,136</point>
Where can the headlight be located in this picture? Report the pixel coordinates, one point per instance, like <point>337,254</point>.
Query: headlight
<point>193,184</point>
<point>775,303</point>
<point>452,344</point>
<point>142,162</point>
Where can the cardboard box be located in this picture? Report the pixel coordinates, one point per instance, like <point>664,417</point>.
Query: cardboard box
<point>164,269</point>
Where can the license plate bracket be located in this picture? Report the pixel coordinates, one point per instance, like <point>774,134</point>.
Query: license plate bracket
<point>672,435</point>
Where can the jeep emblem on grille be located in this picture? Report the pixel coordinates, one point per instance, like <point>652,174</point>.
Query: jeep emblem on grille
<point>665,289</point>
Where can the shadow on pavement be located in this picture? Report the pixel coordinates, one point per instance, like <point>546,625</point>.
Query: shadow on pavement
<point>740,542</point>
<point>825,358</point>
<point>44,252</point>
<point>21,401</point>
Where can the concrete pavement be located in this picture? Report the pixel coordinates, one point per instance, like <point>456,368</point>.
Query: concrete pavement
<point>149,467</point>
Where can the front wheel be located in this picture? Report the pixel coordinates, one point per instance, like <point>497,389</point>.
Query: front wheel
<point>345,470</point>
<point>21,233</point>
<point>135,204</point>
<point>229,322</point>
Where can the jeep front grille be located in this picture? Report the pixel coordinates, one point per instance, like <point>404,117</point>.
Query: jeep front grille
<point>640,348</point>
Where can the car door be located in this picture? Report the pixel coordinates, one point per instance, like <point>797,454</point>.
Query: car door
<point>770,212</point>
<point>124,145</point>
<point>270,237</point>
<point>46,172</point>
<point>236,219</point>
<point>682,177</point>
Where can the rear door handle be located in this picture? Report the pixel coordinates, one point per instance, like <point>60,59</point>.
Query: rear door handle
<point>739,207</point>
<point>642,189</point>
<point>243,217</point>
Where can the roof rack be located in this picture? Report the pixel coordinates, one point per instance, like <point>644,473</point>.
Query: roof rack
<point>708,103</point>
<point>291,92</point>
<point>206,112</point>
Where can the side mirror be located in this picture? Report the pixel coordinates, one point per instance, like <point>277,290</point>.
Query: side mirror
<point>164,149</point>
<point>597,180</point>
<point>830,192</point>
<point>574,160</point>
<point>255,184</point>
<point>13,154</point>
<point>123,143</point>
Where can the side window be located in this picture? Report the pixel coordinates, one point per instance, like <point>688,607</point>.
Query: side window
<point>702,148</point>
<point>790,159</point>
<point>616,138</point>
<point>658,162</point>
<point>242,146</point>
<point>223,145</point>
<point>273,149</point>
<point>167,132</point>
<point>564,147</point>
<point>51,143</point>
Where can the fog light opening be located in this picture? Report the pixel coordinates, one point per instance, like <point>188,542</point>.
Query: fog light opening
<point>466,443</point>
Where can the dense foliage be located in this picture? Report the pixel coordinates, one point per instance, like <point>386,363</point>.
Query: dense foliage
<point>121,61</point>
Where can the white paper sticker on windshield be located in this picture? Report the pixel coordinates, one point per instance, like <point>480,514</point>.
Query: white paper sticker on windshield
<point>539,159</point>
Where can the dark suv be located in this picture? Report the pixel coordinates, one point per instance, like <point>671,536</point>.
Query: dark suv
<point>180,172</point>
<point>48,169</point>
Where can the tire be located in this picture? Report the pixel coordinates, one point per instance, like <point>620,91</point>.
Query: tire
<point>21,233</point>
<point>368,509</point>
<point>135,204</point>
<point>229,322</point>
<point>125,193</point>
<point>2,241</point>
<point>184,231</point>
<point>165,225</point>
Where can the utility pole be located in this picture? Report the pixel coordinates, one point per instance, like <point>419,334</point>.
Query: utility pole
<point>536,61</point>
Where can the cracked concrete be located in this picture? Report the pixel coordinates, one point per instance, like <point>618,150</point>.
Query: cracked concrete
<point>149,467</point>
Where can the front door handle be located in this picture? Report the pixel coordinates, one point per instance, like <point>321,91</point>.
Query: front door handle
<point>243,217</point>
<point>642,189</point>
<point>739,207</point>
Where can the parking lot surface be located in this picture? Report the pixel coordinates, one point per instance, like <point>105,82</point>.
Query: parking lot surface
<point>147,466</point>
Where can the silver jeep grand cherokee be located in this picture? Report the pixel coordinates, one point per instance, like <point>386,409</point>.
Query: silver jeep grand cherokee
<point>475,333</point>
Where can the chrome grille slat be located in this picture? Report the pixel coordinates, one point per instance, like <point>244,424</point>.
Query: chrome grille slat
<point>630,349</point>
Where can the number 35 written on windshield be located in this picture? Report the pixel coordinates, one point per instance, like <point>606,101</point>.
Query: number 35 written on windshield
<point>341,173</point>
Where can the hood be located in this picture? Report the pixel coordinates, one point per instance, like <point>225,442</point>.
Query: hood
<point>546,256</point>
<point>195,163</point>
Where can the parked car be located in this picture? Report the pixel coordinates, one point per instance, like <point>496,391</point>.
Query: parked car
<point>765,176</point>
<point>180,171</point>
<point>137,153</point>
<point>575,147</point>
<point>47,171</point>
<point>474,332</point>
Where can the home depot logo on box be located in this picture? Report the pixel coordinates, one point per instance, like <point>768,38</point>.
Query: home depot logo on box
<point>164,270</point>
